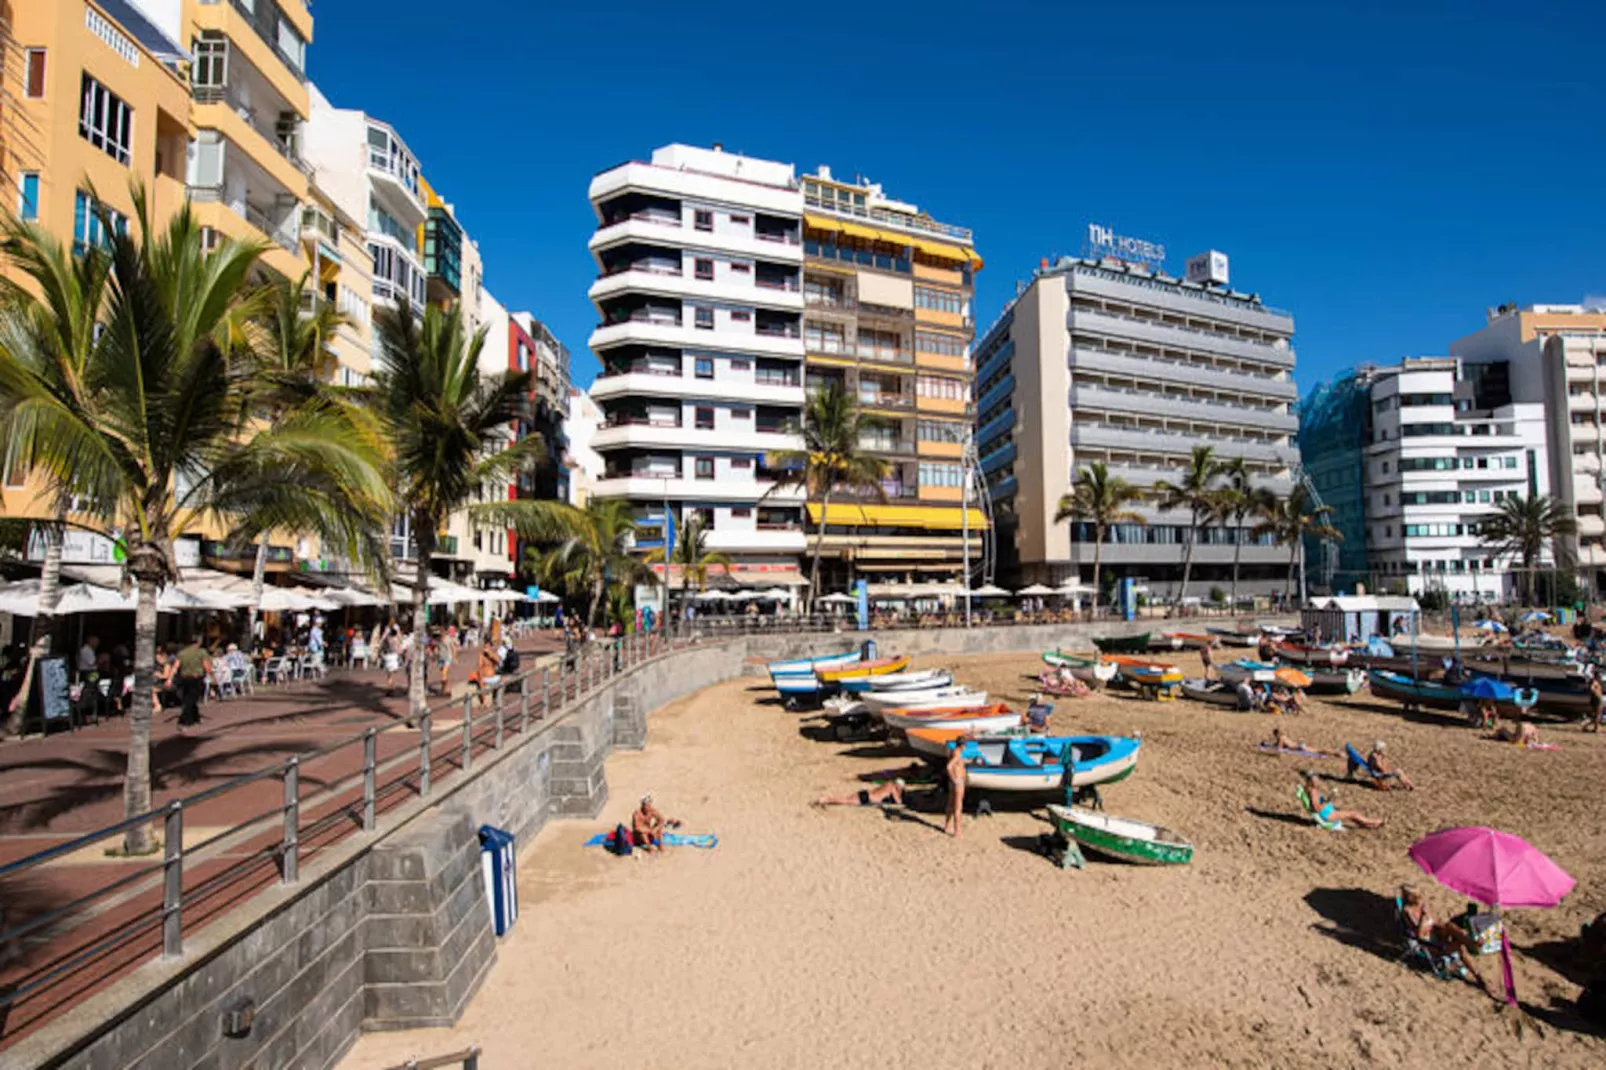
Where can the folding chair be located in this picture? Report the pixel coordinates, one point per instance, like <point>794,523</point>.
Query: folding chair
<point>1315,815</point>
<point>1445,965</point>
<point>276,670</point>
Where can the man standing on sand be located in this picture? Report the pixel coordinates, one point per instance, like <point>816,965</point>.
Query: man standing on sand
<point>956,788</point>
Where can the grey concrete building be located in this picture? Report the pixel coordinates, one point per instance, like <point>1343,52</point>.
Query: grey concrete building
<point>1113,360</point>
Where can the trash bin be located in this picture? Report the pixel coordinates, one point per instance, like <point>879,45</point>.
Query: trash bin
<point>498,863</point>
<point>867,650</point>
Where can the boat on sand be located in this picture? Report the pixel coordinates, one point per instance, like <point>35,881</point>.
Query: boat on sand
<point>1123,838</point>
<point>1037,763</point>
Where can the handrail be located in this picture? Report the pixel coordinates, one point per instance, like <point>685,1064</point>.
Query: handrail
<point>468,1059</point>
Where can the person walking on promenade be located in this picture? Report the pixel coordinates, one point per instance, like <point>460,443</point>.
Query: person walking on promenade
<point>194,666</point>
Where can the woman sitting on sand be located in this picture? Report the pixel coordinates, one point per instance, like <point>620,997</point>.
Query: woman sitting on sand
<point>1322,804</point>
<point>1523,734</point>
<point>1442,936</point>
<point>1383,769</point>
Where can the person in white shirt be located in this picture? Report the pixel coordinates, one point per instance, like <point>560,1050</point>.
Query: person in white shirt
<point>88,654</point>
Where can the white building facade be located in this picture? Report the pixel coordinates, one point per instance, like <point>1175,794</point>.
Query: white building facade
<point>1448,443</point>
<point>699,293</point>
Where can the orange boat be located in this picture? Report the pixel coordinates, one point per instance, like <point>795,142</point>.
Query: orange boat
<point>878,667</point>
<point>1189,640</point>
<point>1135,661</point>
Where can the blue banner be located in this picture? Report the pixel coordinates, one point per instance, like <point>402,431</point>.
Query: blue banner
<point>861,591</point>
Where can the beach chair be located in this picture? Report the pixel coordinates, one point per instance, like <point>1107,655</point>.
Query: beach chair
<point>1358,764</point>
<point>1305,801</point>
<point>1446,966</point>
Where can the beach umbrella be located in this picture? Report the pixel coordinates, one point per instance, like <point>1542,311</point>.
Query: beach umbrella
<point>1534,616</point>
<point>989,591</point>
<point>1490,688</point>
<point>1035,590</point>
<point>839,599</point>
<point>1496,868</point>
<point>1292,677</point>
<point>1490,626</point>
<point>1379,648</point>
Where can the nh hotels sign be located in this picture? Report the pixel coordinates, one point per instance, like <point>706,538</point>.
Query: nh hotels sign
<point>1104,241</point>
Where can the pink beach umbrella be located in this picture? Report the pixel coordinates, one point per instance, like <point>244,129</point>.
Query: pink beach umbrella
<point>1496,868</point>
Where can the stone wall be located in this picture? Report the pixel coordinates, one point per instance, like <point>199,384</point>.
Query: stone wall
<point>390,929</point>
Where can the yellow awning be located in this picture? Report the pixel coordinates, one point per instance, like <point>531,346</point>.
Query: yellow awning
<point>857,230</point>
<point>935,518</point>
<point>942,250</point>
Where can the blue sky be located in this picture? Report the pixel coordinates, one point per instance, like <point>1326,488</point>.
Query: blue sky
<point>1385,171</point>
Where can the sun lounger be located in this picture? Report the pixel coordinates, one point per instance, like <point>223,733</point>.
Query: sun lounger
<point>1305,801</point>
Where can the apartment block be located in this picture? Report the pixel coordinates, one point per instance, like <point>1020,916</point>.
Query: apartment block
<point>699,292</point>
<point>888,318</point>
<point>1113,360</point>
<point>1557,358</point>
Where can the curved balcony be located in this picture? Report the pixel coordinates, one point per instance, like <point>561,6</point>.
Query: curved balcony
<point>1172,336</point>
<point>1181,372</point>
<point>1095,435</point>
<point>646,384</point>
<point>692,439</point>
<point>1111,399</point>
<point>657,488</point>
<point>673,335</point>
<point>661,230</point>
<point>681,285</point>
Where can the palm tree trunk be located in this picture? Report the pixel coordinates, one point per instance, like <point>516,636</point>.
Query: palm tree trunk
<point>259,573</point>
<point>44,623</point>
<point>137,777</point>
<point>1187,557</point>
<point>819,545</point>
<point>1098,555</point>
<point>1293,562</point>
<point>1237,556</point>
<point>424,529</point>
<point>597,586</point>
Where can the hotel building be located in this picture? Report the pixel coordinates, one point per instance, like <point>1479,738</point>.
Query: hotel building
<point>699,293</point>
<point>1447,441</point>
<point>888,294</point>
<point>1557,358</point>
<point>1112,360</point>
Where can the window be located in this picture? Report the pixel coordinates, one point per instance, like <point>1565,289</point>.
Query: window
<point>741,462</point>
<point>944,345</point>
<point>28,196</point>
<point>741,315</point>
<point>930,386</point>
<point>34,73</point>
<point>741,513</point>
<point>89,228</point>
<point>704,367</point>
<point>211,67</point>
<point>741,365</point>
<point>704,319</point>
<point>705,419</point>
<point>939,300</point>
<point>703,220</point>
<point>704,268</point>
<point>705,466</point>
<point>742,414</point>
<point>741,220</point>
<point>742,269</point>
<point>1483,496</point>
<point>105,121</point>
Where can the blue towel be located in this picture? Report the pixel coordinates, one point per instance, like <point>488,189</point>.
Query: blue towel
<point>671,839</point>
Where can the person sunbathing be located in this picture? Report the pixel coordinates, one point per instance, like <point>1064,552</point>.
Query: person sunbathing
<point>1523,734</point>
<point>1382,769</point>
<point>876,796</point>
<point>647,825</point>
<point>1443,937</point>
<point>1280,741</point>
<point>1322,804</point>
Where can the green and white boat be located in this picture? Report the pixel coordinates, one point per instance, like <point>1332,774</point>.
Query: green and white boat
<point>1121,838</point>
<point>1088,668</point>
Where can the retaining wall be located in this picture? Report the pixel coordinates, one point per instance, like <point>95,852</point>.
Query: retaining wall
<point>390,929</point>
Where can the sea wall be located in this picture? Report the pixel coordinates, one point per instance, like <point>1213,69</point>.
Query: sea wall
<point>390,929</point>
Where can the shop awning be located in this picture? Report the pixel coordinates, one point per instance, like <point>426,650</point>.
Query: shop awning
<point>942,250</point>
<point>857,230</point>
<point>840,515</point>
<point>938,518</point>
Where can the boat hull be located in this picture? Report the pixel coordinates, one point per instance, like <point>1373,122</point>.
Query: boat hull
<point>879,667</point>
<point>1336,681</point>
<point>1217,694</point>
<point>809,665</point>
<point>1126,644</point>
<point>992,765</point>
<point>930,737</point>
<point>925,679</point>
<point>1122,838</point>
<point>934,699</point>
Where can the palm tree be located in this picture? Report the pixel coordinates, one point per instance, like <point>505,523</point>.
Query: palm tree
<point>693,557</point>
<point>1288,520</point>
<point>831,460</point>
<point>444,426</point>
<point>1100,499</point>
<point>51,328</point>
<point>288,344</point>
<point>158,434</point>
<point>1522,527</point>
<point>1195,494</point>
<point>592,555</point>
<point>1235,503</point>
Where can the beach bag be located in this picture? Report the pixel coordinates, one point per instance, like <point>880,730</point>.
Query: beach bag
<point>622,844</point>
<point>510,661</point>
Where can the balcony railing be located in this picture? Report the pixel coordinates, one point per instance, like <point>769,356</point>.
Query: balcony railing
<point>789,285</point>
<point>783,427</point>
<point>661,219</point>
<point>823,300</point>
<point>640,369</point>
<point>657,320</point>
<point>895,219</point>
<point>771,330</point>
<point>644,266</point>
<point>787,237</point>
<point>263,16</point>
<point>284,231</point>
<point>873,400</point>
<point>775,379</point>
<point>229,95</point>
<point>631,420</point>
<point>887,446</point>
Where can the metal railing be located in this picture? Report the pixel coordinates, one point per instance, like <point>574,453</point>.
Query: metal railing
<point>468,1059</point>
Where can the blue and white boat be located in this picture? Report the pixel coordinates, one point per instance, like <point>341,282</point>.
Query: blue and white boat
<point>1037,763</point>
<point>900,681</point>
<point>807,666</point>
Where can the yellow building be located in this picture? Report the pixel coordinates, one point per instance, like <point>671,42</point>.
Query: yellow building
<point>888,316</point>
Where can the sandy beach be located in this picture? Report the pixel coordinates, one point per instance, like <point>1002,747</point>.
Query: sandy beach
<point>863,938</point>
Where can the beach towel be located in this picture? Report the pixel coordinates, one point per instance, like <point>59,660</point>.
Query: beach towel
<point>671,839</point>
<point>1303,752</point>
<point>1541,746</point>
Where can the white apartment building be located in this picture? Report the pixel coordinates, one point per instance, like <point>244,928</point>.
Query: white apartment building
<point>699,258</point>
<point>1448,442</point>
<point>1557,355</point>
<point>585,463</point>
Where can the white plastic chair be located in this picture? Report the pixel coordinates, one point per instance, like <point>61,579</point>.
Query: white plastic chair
<point>276,670</point>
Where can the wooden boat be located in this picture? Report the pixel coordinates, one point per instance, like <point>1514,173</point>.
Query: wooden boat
<point>1214,692</point>
<point>1336,681</point>
<point>900,681</point>
<point>1121,838</point>
<point>1164,641</point>
<point>1151,675</point>
<point>1564,698</point>
<point>878,667</point>
<point>1125,644</point>
<point>1090,669</point>
<point>1189,640</point>
<point>1037,763</point>
<point>930,731</point>
<point>1232,637</point>
<point>1438,644</point>
<point>934,698</point>
<point>1390,685</point>
<point>809,665</point>
<point>1256,672</point>
<point>1305,654</point>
